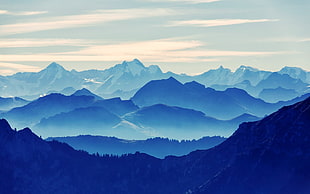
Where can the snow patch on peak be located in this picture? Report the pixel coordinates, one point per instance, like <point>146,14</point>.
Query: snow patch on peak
<point>244,68</point>
<point>92,81</point>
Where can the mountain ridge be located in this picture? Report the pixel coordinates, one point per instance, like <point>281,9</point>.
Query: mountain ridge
<point>270,156</point>
<point>114,81</point>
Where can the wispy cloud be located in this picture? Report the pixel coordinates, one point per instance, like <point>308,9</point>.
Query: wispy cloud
<point>288,39</point>
<point>217,22</point>
<point>71,21</point>
<point>15,43</point>
<point>142,47</point>
<point>10,68</point>
<point>22,13</point>
<point>163,50</point>
<point>304,40</point>
<point>187,1</point>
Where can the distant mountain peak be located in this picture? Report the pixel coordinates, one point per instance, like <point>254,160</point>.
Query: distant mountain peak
<point>52,72</point>
<point>221,67</point>
<point>291,68</point>
<point>135,67</point>
<point>134,62</point>
<point>194,84</point>
<point>171,80</point>
<point>244,68</point>
<point>86,92</point>
<point>55,66</point>
<point>83,91</point>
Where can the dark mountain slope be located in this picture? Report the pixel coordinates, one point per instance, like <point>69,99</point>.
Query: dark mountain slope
<point>29,164</point>
<point>267,156</point>
<point>158,147</point>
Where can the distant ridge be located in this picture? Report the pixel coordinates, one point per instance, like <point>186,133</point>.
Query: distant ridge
<point>86,92</point>
<point>158,147</point>
<point>124,79</point>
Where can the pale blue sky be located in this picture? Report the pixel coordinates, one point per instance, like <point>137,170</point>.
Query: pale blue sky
<point>189,36</point>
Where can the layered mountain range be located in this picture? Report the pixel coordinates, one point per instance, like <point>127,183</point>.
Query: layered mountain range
<point>123,80</point>
<point>270,156</point>
<point>161,108</point>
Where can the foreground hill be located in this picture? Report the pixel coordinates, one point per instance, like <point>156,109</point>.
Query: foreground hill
<point>270,156</point>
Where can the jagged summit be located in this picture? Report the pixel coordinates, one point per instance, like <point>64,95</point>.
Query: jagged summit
<point>55,66</point>
<point>221,67</point>
<point>245,68</point>
<point>134,67</point>
<point>134,62</point>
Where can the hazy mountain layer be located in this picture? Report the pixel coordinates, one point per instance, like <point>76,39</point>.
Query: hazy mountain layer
<point>270,156</point>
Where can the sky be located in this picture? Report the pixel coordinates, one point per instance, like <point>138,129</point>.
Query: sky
<point>183,36</point>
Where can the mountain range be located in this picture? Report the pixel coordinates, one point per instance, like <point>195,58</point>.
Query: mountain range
<point>124,79</point>
<point>270,156</point>
<point>157,147</point>
<point>226,104</point>
<point>161,108</point>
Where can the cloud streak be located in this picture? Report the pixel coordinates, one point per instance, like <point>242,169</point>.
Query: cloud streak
<point>10,68</point>
<point>187,1</point>
<point>19,43</point>
<point>304,40</point>
<point>163,50</point>
<point>217,22</point>
<point>23,13</point>
<point>72,21</point>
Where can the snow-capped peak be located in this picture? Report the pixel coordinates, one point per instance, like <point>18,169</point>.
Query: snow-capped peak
<point>244,68</point>
<point>135,67</point>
